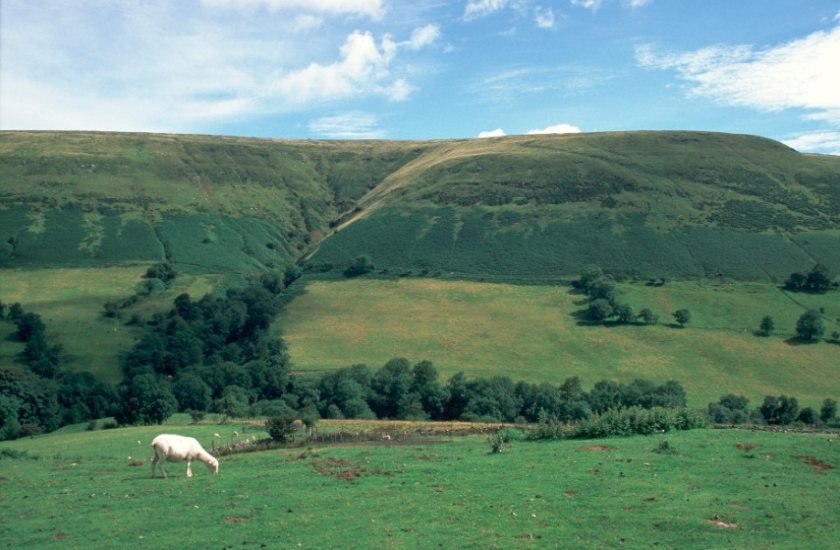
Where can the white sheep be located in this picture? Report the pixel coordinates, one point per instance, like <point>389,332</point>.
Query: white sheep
<point>175,448</point>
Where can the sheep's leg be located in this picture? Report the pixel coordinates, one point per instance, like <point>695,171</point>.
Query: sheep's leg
<point>154,465</point>
<point>189,470</point>
<point>162,469</point>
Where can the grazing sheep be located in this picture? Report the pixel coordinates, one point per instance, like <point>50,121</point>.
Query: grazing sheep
<point>175,448</point>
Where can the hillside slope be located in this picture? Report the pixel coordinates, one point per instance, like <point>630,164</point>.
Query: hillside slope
<point>682,204</point>
<point>640,204</point>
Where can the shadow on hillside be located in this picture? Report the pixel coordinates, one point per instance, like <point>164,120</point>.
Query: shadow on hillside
<point>796,341</point>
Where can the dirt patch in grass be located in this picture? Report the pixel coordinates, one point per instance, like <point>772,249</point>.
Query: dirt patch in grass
<point>816,463</point>
<point>747,447</point>
<point>235,519</point>
<point>597,448</point>
<point>717,522</point>
<point>343,469</point>
<point>60,536</point>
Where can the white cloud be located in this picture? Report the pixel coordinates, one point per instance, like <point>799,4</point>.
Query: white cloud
<point>348,125</point>
<point>498,132</point>
<point>363,68</point>
<point>638,3</point>
<point>557,129</point>
<point>422,37</point>
<point>480,8</point>
<point>801,74</point>
<point>818,142</point>
<point>157,66</point>
<point>515,85</point>
<point>306,22</point>
<point>544,17</point>
<point>370,8</point>
<point>588,4</point>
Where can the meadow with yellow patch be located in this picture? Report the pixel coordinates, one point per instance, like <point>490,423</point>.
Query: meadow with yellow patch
<point>531,333</point>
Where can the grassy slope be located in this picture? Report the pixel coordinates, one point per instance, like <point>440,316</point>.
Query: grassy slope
<point>70,303</point>
<point>536,209</point>
<point>529,333</point>
<point>535,495</point>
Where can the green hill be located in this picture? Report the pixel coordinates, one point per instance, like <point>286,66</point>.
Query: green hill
<point>639,204</point>
<point>83,215</point>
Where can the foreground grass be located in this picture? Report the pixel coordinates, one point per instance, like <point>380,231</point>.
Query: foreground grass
<point>584,494</point>
<point>530,333</point>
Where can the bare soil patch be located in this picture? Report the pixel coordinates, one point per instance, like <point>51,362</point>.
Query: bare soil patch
<point>816,463</point>
<point>747,447</point>
<point>343,469</point>
<point>597,448</point>
<point>235,519</point>
<point>717,522</point>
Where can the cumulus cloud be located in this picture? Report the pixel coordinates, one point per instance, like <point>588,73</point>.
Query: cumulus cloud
<point>801,74</point>
<point>638,3</point>
<point>348,125</point>
<point>369,8</point>
<point>557,129</point>
<point>498,132</point>
<point>480,8</point>
<point>544,17</point>
<point>364,67</point>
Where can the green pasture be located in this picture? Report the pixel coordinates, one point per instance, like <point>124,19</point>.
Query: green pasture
<point>531,333</point>
<point>716,489</point>
<point>70,302</point>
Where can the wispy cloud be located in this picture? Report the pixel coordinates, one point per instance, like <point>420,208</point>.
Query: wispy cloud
<point>369,8</point>
<point>544,17</point>
<point>348,125</point>
<point>522,83</point>
<point>156,67</point>
<point>801,74</point>
<point>637,3</point>
<point>557,129</point>
<point>480,8</point>
<point>498,132</point>
<point>588,4</point>
<point>820,142</point>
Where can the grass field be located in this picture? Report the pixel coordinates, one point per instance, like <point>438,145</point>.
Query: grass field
<point>719,489</point>
<point>70,302</point>
<point>530,333</point>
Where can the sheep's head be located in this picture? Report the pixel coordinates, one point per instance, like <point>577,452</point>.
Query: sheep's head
<point>213,465</point>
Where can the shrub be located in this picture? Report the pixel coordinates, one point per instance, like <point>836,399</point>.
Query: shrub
<point>807,416</point>
<point>282,428</point>
<point>828,411</point>
<point>501,440</point>
<point>682,316</point>
<point>664,447</point>
<point>361,265</point>
<point>779,410</point>
<point>767,325</point>
<point>810,325</point>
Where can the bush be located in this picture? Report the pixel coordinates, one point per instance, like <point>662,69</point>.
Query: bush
<point>501,439</point>
<point>664,447</point>
<point>622,422</point>
<point>810,325</point>
<point>282,428</point>
<point>779,410</point>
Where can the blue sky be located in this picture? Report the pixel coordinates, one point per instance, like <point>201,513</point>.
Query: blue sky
<point>399,69</point>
